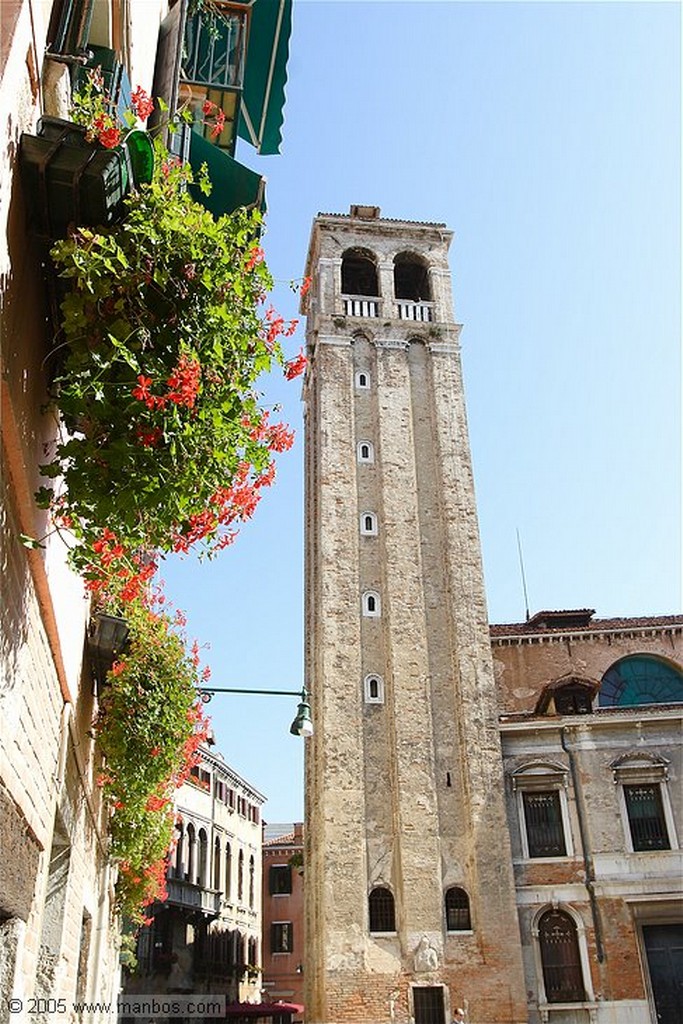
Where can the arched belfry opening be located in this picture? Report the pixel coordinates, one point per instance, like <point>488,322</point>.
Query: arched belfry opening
<point>359,273</point>
<point>411,278</point>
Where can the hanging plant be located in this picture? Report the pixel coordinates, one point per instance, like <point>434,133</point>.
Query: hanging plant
<point>163,338</point>
<point>164,448</point>
<point>149,727</point>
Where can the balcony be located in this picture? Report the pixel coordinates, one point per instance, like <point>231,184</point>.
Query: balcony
<point>193,897</point>
<point>423,312</point>
<point>360,305</point>
<point>214,54</point>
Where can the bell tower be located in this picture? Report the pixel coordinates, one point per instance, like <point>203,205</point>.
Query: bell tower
<point>410,908</point>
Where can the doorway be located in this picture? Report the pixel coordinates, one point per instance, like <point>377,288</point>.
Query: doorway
<point>664,951</point>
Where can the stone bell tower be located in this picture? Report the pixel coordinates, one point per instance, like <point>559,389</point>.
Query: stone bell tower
<point>410,907</point>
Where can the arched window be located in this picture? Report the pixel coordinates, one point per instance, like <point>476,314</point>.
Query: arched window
<point>371,604</point>
<point>363,380</point>
<point>203,865</point>
<point>253,954</point>
<point>240,876</point>
<point>228,871</point>
<point>457,904</point>
<point>251,885</point>
<point>217,863</point>
<point>560,958</point>
<point>366,451</point>
<point>411,279</point>
<point>374,689</point>
<point>569,695</point>
<point>191,853</point>
<point>359,273</point>
<point>368,524</point>
<point>382,911</point>
<point>641,679</point>
<point>179,853</point>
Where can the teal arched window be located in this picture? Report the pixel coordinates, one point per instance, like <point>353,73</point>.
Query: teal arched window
<point>640,679</point>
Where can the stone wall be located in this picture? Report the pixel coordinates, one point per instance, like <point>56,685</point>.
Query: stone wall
<point>405,792</point>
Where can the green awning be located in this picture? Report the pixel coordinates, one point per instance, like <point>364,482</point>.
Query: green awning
<point>263,96</point>
<point>233,184</point>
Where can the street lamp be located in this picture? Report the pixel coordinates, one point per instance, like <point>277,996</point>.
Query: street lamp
<point>302,724</point>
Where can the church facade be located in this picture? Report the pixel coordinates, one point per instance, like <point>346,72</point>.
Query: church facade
<point>423,894</point>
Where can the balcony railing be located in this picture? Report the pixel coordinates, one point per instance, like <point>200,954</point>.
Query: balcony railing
<point>420,311</point>
<point>360,305</point>
<point>193,897</point>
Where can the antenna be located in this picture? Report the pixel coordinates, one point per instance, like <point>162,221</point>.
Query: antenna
<point>521,566</point>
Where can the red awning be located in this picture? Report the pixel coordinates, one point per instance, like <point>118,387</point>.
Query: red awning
<point>261,1009</point>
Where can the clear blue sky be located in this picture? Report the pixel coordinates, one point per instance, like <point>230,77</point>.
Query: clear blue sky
<point>547,136</point>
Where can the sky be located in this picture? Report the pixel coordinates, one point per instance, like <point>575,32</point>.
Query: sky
<point>547,136</point>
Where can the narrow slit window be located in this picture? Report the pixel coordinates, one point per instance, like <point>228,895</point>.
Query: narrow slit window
<point>363,380</point>
<point>374,689</point>
<point>371,604</point>
<point>366,452</point>
<point>368,524</point>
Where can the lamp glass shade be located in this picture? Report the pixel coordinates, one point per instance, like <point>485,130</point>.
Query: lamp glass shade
<point>302,724</point>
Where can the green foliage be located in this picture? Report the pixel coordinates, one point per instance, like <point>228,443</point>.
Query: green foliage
<point>149,728</point>
<point>164,344</point>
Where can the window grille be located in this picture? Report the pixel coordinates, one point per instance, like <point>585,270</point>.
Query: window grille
<point>646,817</point>
<point>382,910</point>
<point>560,958</point>
<point>543,819</point>
<point>457,910</point>
<point>428,1003</point>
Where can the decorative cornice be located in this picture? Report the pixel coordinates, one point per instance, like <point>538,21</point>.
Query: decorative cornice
<point>513,639</point>
<point>334,339</point>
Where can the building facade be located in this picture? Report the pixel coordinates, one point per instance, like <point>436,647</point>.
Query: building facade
<point>283,913</point>
<point>206,937</point>
<point>593,759</point>
<point>404,782</point>
<point>59,929</point>
<point>493,819</point>
<point>58,926</point>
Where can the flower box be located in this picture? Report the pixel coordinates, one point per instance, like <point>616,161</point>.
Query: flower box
<point>70,180</point>
<point>107,639</point>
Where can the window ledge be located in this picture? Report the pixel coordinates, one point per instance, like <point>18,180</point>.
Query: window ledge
<point>460,931</point>
<point>549,1007</point>
<point>546,860</point>
<point>383,935</point>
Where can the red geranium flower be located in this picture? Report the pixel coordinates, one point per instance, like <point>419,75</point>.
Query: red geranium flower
<point>141,104</point>
<point>109,137</point>
<point>296,366</point>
